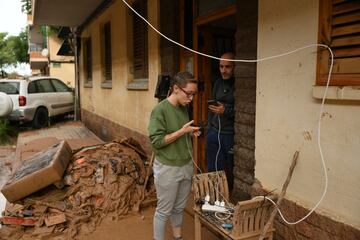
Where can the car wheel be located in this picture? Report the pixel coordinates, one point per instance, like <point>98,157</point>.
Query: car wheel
<point>41,118</point>
<point>6,105</point>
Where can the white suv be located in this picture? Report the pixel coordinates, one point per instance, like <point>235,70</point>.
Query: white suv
<point>34,99</point>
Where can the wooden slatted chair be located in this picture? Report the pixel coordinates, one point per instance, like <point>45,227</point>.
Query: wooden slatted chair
<point>248,219</point>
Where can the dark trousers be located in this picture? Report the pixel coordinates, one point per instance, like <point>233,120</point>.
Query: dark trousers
<point>225,158</point>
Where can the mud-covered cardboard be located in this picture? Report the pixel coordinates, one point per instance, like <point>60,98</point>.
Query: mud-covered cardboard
<point>38,171</point>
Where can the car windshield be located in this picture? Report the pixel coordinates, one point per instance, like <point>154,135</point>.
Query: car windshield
<point>9,87</point>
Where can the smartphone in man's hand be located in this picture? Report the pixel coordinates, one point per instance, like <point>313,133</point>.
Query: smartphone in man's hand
<point>213,102</point>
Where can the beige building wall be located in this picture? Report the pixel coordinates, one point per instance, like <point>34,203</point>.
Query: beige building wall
<point>61,67</point>
<point>287,116</point>
<point>128,108</point>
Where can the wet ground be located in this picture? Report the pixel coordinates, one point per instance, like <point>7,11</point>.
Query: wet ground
<point>132,226</point>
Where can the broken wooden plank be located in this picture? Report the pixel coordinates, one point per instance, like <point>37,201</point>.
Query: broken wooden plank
<point>281,196</point>
<point>55,219</point>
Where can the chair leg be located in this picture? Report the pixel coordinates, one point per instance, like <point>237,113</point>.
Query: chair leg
<point>197,228</point>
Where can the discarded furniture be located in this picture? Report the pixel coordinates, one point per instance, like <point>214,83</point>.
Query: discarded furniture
<point>247,218</point>
<point>38,171</point>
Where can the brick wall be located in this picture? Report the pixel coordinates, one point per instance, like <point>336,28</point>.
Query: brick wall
<point>316,226</point>
<point>245,99</point>
<point>108,130</point>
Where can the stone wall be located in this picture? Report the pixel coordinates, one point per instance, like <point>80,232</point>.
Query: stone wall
<point>316,226</point>
<point>245,99</point>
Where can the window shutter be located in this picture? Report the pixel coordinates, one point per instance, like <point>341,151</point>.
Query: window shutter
<point>140,41</point>
<point>340,29</point>
<point>107,51</point>
<point>88,59</point>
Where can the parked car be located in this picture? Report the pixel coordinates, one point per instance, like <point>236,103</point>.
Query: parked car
<point>35,99</point>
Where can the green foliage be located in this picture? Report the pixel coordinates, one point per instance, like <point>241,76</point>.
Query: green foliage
<point>6,132</point>
<point>26,6</point>
<point>6,55</point>
<point>19,45</point>
<point>13,49</point>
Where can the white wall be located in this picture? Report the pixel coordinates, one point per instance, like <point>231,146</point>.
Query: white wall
<point>286,111</point>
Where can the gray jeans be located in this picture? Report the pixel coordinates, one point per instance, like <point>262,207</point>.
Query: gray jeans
<point>173,185</point>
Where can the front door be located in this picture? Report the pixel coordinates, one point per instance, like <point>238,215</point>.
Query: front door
<point>213,34</point>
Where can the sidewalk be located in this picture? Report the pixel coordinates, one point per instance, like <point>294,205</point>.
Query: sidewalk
<point>34,141</point>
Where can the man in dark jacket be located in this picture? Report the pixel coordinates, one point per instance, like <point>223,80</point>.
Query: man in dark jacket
<point>220,127</point>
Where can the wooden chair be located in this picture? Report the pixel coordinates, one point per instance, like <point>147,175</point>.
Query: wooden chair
<point>248,219</point>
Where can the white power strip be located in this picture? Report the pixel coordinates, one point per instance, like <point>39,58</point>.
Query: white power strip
<point>206,207</point>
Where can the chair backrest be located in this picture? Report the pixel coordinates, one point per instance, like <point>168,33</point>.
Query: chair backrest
<point>213,184</point>
<point>251,216</point>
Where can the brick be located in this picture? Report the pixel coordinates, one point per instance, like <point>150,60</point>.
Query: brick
<point>245,118</point>
<point>245,106</point>
<point>244,156</point>
<point>351,233</point>
<point>305,229</point>
<point>245,82</point>
<point>18,221</point>
<point>245,142</point>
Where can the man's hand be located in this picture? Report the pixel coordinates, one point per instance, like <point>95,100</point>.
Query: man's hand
<point>219,109</point>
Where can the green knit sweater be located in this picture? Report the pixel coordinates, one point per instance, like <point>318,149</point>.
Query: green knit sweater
<point>165,119</point>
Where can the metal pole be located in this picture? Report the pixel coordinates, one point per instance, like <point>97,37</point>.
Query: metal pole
<point>77,109</point>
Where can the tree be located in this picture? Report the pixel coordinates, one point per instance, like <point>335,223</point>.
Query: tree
<point>13,50</point>
<point>6,55</point>
<point>19,45</point>
<point>26,6</point>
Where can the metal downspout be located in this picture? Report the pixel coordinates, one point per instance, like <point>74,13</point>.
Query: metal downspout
<point>77,108</point>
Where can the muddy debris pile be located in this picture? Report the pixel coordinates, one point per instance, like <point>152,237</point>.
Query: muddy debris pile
<point>104,180</point>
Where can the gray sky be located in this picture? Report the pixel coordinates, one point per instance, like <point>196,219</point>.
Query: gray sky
<point>12,20</point>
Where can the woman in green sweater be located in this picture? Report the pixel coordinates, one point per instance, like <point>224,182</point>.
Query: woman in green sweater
<point>169,131</point>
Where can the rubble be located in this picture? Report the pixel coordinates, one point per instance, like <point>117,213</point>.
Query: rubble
<point>105,180</point>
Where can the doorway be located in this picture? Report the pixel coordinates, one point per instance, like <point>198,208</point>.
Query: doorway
<point>213,33</point>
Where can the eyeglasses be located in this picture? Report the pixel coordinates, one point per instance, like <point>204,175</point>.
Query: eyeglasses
<point>188,94</point>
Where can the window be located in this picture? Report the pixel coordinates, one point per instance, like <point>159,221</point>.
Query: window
<point>140,41</point>
<point>32,87</point>
<point>339,28</point>
<point>106,53</point>
<point>9,87</point>
<point>88,60</point>
<point>56,65</point>
<point>44,86</point>
<point>60,86</point>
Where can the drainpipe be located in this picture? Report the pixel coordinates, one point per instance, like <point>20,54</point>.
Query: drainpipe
<point>77,109</point>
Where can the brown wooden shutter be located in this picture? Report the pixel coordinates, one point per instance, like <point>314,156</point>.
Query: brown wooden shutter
<point>340,29</point>
<point>140,40</point>
<point>88,59</point>
<point>107,51</point>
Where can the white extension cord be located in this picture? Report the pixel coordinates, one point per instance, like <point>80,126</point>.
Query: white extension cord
<point>261,60</point>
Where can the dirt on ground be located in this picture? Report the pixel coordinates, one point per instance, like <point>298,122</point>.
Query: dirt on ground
<point>101,198</point>
<point>100,181</point>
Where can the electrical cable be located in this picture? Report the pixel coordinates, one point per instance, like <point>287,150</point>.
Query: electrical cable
<point>261,60</point>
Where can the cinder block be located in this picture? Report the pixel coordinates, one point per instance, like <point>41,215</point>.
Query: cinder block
<point>38,171</point>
